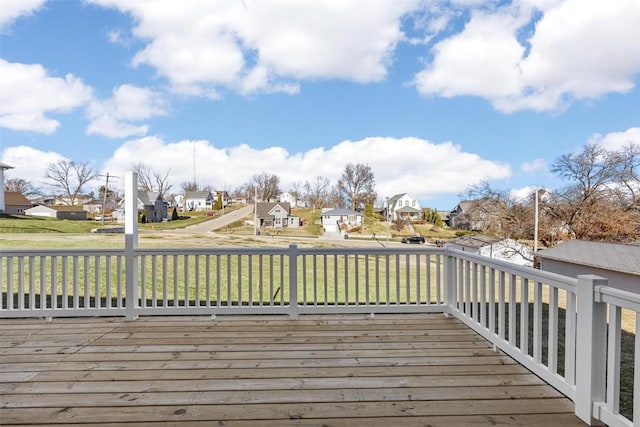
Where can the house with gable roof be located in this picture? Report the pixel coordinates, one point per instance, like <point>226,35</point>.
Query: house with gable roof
<point>334,219</point>
<point>198,200</point>
<point>404,206</point>
<point>15,203</point>
<point>276,215</point>
<point>150,203</point>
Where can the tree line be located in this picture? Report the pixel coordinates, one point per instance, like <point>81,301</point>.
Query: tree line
<point>600,198</point>
<point>599,201</point>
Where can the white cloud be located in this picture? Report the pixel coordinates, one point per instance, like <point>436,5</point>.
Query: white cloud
<point>28,94</point>
<point>617,140</point>
<point>29,163</point>
<point>534,166</point>
<point>113,117</point>
<point>412,165</point>
<point>577,50</point>
<point>14,9</point>
<point>252,46</point>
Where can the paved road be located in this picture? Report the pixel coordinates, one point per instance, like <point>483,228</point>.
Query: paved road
<point>218,222</point>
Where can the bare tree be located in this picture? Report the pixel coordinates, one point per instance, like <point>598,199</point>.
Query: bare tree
<point>316,192</point>
<point>20,185</point>
<point>268,186</point>
<point>296,192</point>
<point>70,177</point>
<point>152,180</point>
<point>602,186</point>
<point>189,186</point>
<point>357,185</point>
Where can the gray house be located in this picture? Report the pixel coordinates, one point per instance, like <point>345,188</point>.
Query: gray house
<point>150,203</point>
<point>620,264</point>
<point>276,215</point>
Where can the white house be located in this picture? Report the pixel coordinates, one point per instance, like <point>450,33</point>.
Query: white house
<point>618,263</point>
<point>333,219</point>
<point>198,200</point>
<point>494,247</point>
<point>403,206</point>
<point>3,167</point>
<point>287,197</point>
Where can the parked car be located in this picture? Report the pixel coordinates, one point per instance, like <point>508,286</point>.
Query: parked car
<point>413,239</point>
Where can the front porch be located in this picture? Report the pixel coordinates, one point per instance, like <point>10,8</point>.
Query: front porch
<point>270,370</point>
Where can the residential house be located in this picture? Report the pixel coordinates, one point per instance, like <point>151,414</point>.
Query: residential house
<point>276,215</point>
<point>94,207</point>
<point>333,220</point>
<point>403,206</point>
<point>475,215</point>
<point>44,200</point>
<point>494,247</point>
<point>618,263</point>
<point>292,200</point>
<point>223,194</point>
<point>151,204</point>
<point>58,211</point>
<point>15,203</point>
<point>80,199</point>
<point>3,167</point>
<point>198,200</point>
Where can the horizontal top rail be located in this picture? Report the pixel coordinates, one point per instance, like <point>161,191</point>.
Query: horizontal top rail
<point>557,280</point>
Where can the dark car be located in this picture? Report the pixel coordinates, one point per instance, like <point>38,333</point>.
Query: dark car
<point>413,239</point>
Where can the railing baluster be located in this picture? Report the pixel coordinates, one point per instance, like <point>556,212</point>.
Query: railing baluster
<point>512,310</point>
<point>20,285</point>
<point>492,300</point>
<point>552,346</point>
<point>613,359</point>
<point>32,282</point>
<point>501,307</point>
<point>537,322</point>
<point>524,315</point>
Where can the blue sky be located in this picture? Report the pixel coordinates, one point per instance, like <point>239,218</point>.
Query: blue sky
<point>433,95</point>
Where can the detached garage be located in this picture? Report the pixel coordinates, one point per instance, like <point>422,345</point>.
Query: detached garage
<point>59,212</point>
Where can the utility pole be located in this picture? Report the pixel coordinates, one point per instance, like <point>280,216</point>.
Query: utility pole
<point>104,195</point>
<point>386,214</point>
<point>255,210</point>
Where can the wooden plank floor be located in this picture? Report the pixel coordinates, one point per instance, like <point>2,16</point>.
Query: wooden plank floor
<point>403,370</point>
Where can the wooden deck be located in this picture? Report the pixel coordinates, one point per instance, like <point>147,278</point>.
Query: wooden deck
<point>402,370</point>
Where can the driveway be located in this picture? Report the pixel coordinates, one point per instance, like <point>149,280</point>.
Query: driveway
<point>218,222</point>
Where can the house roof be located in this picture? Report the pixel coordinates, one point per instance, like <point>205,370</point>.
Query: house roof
<point>198,194</point>
<point>339,212</point>
<point>474,240</point>
<point>263,208</point>
<point>61,208</point>
<point>606,256</point>
<point>15,198</point>
<point>5,166</point>
<point>148,197</point>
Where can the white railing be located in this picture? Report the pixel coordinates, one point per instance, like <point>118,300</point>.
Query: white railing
<point>566,330</point>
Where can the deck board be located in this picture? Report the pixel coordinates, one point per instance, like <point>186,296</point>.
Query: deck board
<point>401,370</point>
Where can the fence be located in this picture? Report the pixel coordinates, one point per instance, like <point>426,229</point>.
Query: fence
<point>566,330</point>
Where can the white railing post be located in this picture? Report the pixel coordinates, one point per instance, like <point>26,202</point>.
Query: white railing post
<point>449,283</point>
<point>293,281</point>
<point>591,345</point>
<point>131,243</point>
